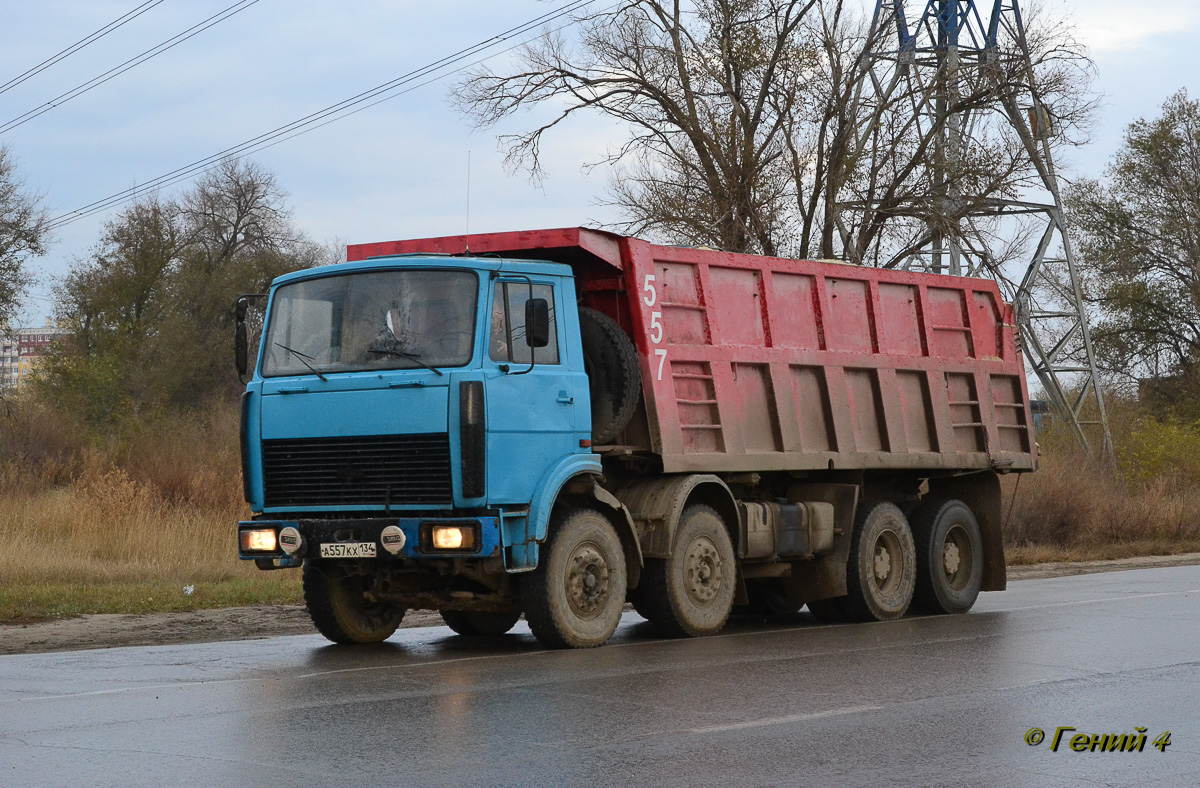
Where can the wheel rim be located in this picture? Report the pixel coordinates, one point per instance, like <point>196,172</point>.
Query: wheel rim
<point>587,580</point>
<point>887,566</point>
<point>958,558</point>
<point>703,571</point>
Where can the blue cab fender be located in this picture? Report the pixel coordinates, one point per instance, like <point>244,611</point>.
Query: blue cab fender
<point>522,535</point>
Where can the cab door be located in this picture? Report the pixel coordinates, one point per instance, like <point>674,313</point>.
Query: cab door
<point>532,395</point>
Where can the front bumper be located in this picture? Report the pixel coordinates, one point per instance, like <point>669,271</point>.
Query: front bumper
<point>417,542</point>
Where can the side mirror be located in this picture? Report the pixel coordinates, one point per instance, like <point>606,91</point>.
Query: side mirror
<point>537,322</point>
<point>241,349</point>
<point>241,336</point>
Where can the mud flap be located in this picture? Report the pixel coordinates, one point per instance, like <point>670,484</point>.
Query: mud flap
<point>519,547</point>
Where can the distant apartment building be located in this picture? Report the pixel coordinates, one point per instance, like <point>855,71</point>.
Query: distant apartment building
<point>8,361</point>
<point>23,351</point>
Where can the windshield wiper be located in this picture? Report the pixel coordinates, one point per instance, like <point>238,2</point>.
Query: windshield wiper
<point>302,358</point>
<point>404,354</point>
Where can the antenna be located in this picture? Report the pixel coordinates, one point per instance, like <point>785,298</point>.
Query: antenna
<point>467,242</point>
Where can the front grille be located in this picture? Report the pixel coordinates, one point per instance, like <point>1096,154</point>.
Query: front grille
<point>370,470</point>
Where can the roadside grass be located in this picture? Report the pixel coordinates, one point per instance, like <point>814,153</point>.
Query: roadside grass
<point>124,522</point>
<point>1024,555</point>
<point>39,601</point>
<point>107,544</point>
<point>1075,508</point>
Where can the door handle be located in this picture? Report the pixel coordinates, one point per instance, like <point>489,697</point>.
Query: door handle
<point>564,398</point>
<point>293,390</point>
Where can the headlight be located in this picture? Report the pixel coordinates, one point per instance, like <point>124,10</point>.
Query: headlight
<point>259,540</point>
<point>454,537</point>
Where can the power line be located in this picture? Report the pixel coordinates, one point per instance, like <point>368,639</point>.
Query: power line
<point>80,44</point>
<point>388,90</point>
<point>137,60</point>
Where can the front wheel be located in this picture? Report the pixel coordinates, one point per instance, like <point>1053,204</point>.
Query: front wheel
<point>476,624</point>
<point>340,605</point>
<point>691,592</point>
<point>882,568</point>
<point>575,596</point>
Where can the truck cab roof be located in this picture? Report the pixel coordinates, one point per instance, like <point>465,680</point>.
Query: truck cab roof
<point>424,260</point>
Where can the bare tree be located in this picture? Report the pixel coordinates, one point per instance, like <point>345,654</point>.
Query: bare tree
<point>750,129</point>
<point>22,234</point>
<point>235,208</point>
<point>705,90</point>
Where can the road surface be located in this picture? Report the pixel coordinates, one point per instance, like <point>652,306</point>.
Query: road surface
<point>918,702</point>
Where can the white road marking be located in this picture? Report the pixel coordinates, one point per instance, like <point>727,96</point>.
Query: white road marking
<point>1094,601</point>
<point>737,726</point>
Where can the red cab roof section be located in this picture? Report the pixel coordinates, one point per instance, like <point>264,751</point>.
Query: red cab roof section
<point>572,245</point>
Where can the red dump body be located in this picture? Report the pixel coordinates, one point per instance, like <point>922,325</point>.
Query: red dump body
<point>759,364</point>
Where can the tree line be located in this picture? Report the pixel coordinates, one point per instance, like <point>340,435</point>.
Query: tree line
<point>151,303</point>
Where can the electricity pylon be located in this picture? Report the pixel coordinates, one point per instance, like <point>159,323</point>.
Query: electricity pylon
<point>953,72</point>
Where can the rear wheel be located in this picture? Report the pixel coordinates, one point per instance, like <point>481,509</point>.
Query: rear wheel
<point>691,592</point>
<point>575,596</point>
<point>881,570</point>
<point>476,624</point>
<point>340,605</point>
<point>949,557</point>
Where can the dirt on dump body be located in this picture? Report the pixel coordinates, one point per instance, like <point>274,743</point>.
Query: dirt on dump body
<point>263,621</point>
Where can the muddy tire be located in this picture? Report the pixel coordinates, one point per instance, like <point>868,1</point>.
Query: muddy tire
<point>476,624</point>
<point>339,606</point>
<point>827,611</point>
<point>575,597</point>
<point>691,593</point>
<point>614,376</point>
<point>949,557</point>
<point>882,568</point>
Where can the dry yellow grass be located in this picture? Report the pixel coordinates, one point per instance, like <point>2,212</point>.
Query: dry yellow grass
<point>111,529</point>
<point>1076,508</point>
<point>125,525</point>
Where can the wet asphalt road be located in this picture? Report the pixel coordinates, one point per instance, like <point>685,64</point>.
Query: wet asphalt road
<point>918,702</point>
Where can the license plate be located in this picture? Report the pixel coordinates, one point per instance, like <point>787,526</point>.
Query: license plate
<point>348,550</point>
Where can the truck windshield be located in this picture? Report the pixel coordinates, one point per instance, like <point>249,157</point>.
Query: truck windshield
<point>369,321</point>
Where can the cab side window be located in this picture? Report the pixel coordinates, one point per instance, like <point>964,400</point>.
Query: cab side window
<point>508,324</point>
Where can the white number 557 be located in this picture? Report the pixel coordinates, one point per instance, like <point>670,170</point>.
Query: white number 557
<point>656,327</point>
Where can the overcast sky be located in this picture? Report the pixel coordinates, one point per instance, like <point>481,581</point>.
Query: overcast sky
<point>399,169</point>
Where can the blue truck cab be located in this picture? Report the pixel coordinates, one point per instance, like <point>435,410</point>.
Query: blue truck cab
<point>405,436</point>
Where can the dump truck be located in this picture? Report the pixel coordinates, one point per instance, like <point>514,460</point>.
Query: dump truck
<point>555,423</point>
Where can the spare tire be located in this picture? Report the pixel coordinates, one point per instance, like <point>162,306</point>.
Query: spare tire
<point>614,377</point>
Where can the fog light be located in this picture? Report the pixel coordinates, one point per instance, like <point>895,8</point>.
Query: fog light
<point>290,541</point>
<point>392,539</point>
<point>261,540</point>
<point>448,537</point>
